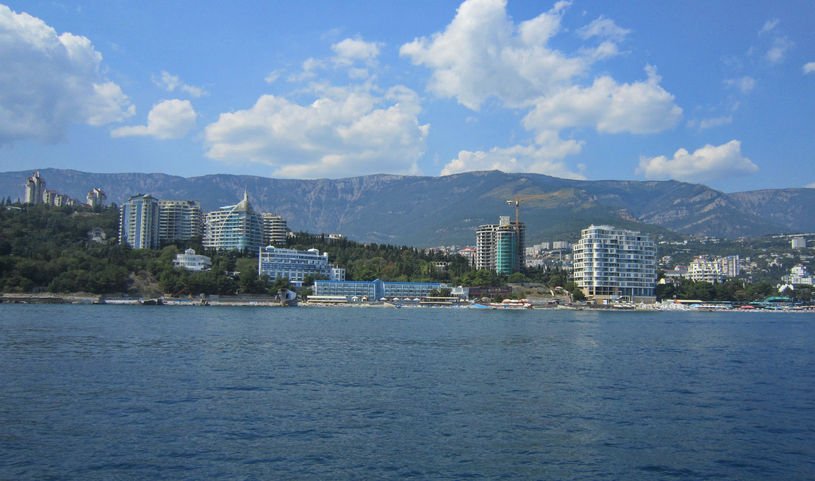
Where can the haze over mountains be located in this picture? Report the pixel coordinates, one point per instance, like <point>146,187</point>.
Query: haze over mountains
<point>428,211</point>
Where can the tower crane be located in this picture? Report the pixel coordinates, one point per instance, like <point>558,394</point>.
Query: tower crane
<point>517,202</point>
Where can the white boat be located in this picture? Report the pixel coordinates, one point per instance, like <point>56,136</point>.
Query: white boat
<point>511,304</point>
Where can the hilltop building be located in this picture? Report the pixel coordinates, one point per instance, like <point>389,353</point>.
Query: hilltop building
<point>295,265</point>
<point>799,275</point>
<point>95,198</point>
<point>714,269</point>
<point>274,230</point>
<point>234,227</point>
<point>500,247</point>
<point>798,243</point>
<point>179,220</point>
<point>34,189</point>
<point>139,222</point>
<point>191,261</point>
<point>615,264</point>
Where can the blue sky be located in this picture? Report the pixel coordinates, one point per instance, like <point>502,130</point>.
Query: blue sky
<point>720,93</point>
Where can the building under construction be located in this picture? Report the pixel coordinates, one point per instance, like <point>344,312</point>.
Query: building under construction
<point>500,247</point>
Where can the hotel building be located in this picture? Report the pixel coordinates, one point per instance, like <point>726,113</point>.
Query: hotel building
<point>234,227</point>
<point>615,264</point>
<point>295,265</point>
<point>34,189</point>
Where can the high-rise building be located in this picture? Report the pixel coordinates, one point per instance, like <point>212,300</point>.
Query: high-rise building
<point>798,243</point>
<point>34,189</point>
<point>95,197</point>
<point>274,230</point>
<point>139,222</point>
<point>179,220</point>
<point>615,264</point>
<point>500,247</point>
<point>234,227</point>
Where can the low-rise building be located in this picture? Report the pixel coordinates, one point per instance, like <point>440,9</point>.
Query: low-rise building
<point>191,261</point>
<point>799,275</point>
<point>376,289</point>
<point>295,265</point>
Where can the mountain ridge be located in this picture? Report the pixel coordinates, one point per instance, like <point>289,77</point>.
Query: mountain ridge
<point>424,211</point>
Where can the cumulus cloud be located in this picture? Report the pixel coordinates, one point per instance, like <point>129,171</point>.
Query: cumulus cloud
<point>704,164</point>
<point>482,54</point>
<point>543,159</point>
<point>609,107</point>
<point>345,131</point>
<point>169,119</point>
<point>49,81</point>
<point>352,50</point>
<point>809,67</point>
<point>172,83</point>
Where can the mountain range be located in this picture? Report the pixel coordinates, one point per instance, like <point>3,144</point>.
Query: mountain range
<point>430,211</point>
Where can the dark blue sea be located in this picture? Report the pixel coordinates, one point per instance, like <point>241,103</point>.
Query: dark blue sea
<point>194,393</point>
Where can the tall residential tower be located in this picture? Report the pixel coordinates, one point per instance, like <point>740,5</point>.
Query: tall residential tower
<point>615,264</point>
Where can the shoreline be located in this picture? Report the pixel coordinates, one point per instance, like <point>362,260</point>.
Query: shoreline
<point>239,301</point>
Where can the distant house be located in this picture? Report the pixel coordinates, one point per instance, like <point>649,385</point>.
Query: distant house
<point>191,261</point>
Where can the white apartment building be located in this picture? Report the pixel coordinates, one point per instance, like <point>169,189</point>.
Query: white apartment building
<point>179,220</point>
<point>714,269</point>
<point>799,275</point>
<point>615,264</point>
<point>274,230</point>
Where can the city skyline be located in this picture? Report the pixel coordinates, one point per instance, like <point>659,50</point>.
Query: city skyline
<point>716,93</point>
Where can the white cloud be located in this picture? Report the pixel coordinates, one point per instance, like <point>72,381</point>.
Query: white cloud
<point>343,132</point>
<point>171,83</point>
<point>544,158</point>
<point>482,54</point>
<point>609,107</point>
<point>744,84</point>
<point>50,81</point>
<point>711,122</point>
<point>352,50</point>
<point>603,28</point>
<point>272,77</point>
<point>809,67</point>
<point>768,26</point>
<point>704,164</point>
<point>810,186</point>
<point>169,119</point>
<point>779,49</point>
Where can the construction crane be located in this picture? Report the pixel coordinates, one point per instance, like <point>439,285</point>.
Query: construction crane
<point>516,201</point>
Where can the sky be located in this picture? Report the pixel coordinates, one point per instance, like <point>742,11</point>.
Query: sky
<point>714,92</point>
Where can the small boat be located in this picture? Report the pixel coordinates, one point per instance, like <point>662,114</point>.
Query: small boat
<point>511,304</point>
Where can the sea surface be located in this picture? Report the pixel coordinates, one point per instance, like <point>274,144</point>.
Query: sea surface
<point>194,393</point>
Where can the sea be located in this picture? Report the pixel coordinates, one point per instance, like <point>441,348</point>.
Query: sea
<point>96,392</point>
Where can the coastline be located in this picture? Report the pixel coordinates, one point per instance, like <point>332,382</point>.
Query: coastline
<point>257,301</point>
